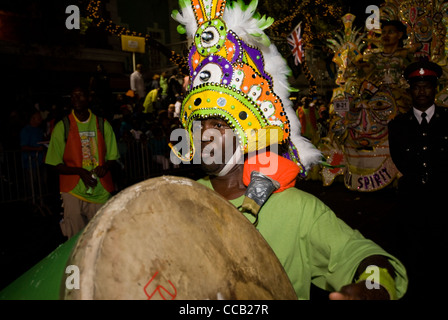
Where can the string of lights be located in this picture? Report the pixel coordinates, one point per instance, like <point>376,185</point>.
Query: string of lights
<point>312,13</point>
<point>95,17</point>
<point>304,11</point>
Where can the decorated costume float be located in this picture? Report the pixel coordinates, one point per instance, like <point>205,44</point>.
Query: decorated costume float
<point>372,91</point>
<point>362,104</point>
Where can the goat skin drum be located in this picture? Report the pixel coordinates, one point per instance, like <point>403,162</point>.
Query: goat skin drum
<point>173,238</point>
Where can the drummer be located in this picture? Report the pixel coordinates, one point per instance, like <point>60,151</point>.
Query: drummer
<point>252,152</point>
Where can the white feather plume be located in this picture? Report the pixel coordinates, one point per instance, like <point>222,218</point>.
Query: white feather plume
<point>187,18</point>
<point>243,23</point>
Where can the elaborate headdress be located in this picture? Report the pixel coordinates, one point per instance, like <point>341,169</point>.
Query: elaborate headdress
<point>238,75</point>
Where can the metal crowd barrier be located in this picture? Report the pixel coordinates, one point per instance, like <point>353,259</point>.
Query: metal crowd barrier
<point>136,163</point>
<point>30,181</point>
<point>21,180</point>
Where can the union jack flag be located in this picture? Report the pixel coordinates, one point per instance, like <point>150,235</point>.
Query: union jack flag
<point>295,42</point>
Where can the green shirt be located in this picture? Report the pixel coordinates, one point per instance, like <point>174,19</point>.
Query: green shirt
<point>150,98</point>
<point>87,132</point>
<point>313,244</point>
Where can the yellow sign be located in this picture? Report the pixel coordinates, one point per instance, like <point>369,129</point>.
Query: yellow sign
<point>133,44</point>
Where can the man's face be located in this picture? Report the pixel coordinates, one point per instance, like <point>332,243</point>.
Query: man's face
<point>218,144</point>
<point>423,94</point>
<point>79,100</point>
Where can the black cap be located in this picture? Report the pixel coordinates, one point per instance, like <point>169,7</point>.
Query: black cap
<point>423,70</point>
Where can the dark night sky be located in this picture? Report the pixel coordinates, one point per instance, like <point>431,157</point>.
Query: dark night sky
<point>43,22</point>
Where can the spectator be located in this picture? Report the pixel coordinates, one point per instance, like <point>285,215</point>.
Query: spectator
<point>171,110</point>
<point>138,83</point>
<point>175,88</point>
<point>155,83</point>
<point>177,107</point>
<point>152,103</point>
<point>32,142</point>
<point>164,86</point>
<point>83,151</point>
<point>33,153</point>
<point>159,148</point>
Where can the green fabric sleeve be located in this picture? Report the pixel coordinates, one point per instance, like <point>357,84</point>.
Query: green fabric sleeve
<point>336,250</point>
<point>313,244</point>
<point>56,147</point>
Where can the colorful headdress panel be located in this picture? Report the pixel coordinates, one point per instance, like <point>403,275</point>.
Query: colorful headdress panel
<point>238,75</point>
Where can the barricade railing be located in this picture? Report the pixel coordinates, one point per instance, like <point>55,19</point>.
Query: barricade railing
<point>25,179</point>
<point>136,162</point>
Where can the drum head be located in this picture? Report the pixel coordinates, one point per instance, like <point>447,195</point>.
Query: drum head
<point>173,238</point>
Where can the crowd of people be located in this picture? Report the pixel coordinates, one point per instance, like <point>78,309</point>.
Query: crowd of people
<point>141,118</point>
<point>141,135</point>
<point>130,114</point>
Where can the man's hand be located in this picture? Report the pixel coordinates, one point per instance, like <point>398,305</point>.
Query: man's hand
<point>85,175</point>
<point>87,178</point>
<point>359,291</point>
<point>100,171</point>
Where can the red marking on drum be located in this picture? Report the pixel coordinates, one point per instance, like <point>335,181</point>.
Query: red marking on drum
<point>159,289</point>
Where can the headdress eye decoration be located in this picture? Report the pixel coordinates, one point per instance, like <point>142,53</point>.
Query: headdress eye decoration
<point>229,78</point>
<point>211,37</point>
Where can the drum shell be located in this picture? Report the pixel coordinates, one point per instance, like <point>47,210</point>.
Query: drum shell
<point>163,238</point>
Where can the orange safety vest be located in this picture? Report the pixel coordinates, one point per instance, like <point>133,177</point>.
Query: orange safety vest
<point>73,158</point>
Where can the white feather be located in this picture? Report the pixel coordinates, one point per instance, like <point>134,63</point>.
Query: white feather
<point>245,26</point>
<point>187,18</point>
<point>242,22</point>
<point>309,155</point>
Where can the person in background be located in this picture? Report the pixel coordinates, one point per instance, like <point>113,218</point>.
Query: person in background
<point>175,88</point>
<point>159,148</point>
<point>418,142</point>
<point>32,142</point>
<point>83,156</point>
<point>384,66</point>
<point>33,152</point>
<point>153,101</point>
<point>138,82</point>
<point>177,106</point>
<point>155,82</point>
<point>164,85</point>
